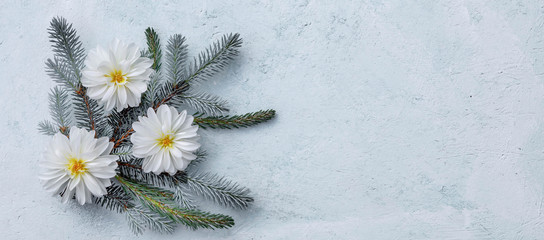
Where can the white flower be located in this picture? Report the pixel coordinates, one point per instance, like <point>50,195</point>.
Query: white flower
<point>80,165</point>
<point>116,77</point>
<point>166,140</point>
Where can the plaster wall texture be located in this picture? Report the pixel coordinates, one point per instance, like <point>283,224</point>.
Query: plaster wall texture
<point>396,119</point>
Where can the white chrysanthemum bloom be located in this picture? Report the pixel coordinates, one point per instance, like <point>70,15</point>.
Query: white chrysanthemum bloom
<point>166,140</point>
<point>80,165</point>
<point>116,77</point>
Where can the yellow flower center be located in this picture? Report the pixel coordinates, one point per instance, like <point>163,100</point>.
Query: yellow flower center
<point>76,166</point>
<point>117,77</point>
<point>167,141</point>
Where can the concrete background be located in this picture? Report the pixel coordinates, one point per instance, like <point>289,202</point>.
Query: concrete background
<point>396,119</point>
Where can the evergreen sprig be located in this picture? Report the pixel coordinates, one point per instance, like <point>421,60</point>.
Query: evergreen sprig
<point>205,103</point>
<point>139,219</point>
<point>90,114</point>
<point>183,198</point>
<point>176,58</point>
<point>124,153</point>
<point>67,48</point>
<point>59,103</point>
<point>236,121</point>
<point>214,58</point>
<point>172,89</point>
<point>60,71</point>
<point>115,199</point>
<point>160,201</point>
<point>58,100</point>
<point>153,94</point>
<point>121,123</point>
<point>154,47</point>
<point>219,190</point>
<point>47,128</point>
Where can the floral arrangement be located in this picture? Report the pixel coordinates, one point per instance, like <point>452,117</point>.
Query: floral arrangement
<point>122,137</point>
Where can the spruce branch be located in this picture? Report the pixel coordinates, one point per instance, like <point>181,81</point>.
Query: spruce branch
<point>208,62</point>
<point>236,121</point>
<point>154,47</point>
<point>124,153</point>
<point>121,123</point>
<point>219,190</point>
<point>115,199</point>
<point>122,138</point>
<point>159,201</point>
<point>47,128</point>
<point>152,94</point>
<point>214,58</point>
<point>176,58</point>
<point>67,47</point>
<point>90,114</point>
<point>59,105</point>
<point>135,221</point>
<point>170,93</point>
<point>205,103</point>
<point>183,198</point>
<point>60,72</point>
<point>140,218</point>
<point>131,168</point>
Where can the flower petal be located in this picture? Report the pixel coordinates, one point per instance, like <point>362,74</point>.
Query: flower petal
<point>94,186</point>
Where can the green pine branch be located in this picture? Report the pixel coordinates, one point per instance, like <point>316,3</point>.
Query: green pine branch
<point>139,219</point>
<point>214,58</point>
<point>176,58</point>
<point>59,106</point>
<point>124,152</point>
<point>47,128</point>
<point>208,62</point>
<point>154,47</point>
<point>59,70</point>
<point>135,221</point>
<point>90,114</point>
<point>115,199</point>
<point>160,201</point>
<point>67,47</point>
<point>121,124</point>
<point>205,103</point>
<point>236,121</point>
<point>183,198</point>
<point>219,190</point>
<point>151,96</point>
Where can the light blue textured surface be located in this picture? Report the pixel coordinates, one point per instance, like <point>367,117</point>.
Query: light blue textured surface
<point>396,120</point>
